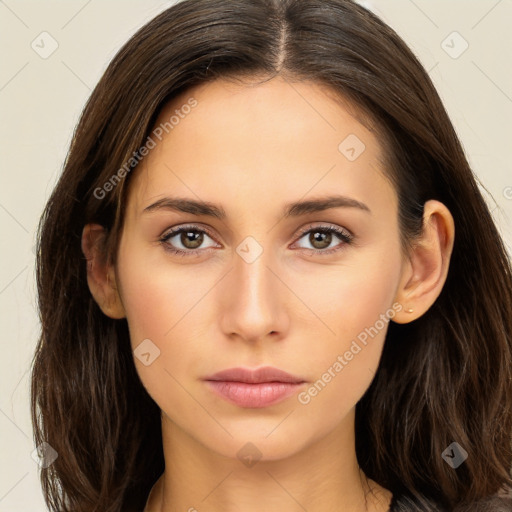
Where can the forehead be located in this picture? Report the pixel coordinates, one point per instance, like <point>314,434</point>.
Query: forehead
<point>275,140</point>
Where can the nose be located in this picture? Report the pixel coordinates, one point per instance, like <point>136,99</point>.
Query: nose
<point>252,299</point>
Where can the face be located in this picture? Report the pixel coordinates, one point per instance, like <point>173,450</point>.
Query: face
<point>262,283</point>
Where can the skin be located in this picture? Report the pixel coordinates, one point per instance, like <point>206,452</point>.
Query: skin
<point>251,149</point>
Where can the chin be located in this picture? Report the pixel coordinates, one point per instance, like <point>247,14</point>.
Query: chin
<point>260,443</point>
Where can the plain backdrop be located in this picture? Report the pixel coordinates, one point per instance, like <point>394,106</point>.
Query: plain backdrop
<point>464,44</point>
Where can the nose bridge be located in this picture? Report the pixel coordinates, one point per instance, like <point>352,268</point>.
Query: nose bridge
<point>252,292</point>
<point>252,277</point>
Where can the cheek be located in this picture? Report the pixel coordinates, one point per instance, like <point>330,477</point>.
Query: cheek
<point>156,305</point>
<point>157,296</point>
<point>164,303</point>
<point>355,305</point>
<point>351,296</point>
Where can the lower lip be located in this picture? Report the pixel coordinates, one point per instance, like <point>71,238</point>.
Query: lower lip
<point>254,395</point>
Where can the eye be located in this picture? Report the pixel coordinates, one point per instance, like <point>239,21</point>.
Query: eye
<point>189,237</point>
<point>321,238</point>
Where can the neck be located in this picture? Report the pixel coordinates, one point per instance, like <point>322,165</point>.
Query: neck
<point>321,477</point>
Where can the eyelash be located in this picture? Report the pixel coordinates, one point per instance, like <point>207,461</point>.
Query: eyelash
<point>346,237</point>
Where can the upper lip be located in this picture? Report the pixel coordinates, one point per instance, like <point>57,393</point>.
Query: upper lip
<point>257,376</point>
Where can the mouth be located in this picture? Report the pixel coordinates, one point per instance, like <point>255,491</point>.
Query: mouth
<point>254,388</point>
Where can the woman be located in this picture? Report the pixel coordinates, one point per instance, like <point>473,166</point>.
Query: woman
<point>268,280</point>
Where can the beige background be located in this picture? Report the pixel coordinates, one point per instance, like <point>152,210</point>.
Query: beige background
<point>41,99</point>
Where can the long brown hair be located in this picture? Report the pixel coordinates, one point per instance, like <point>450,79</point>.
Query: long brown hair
<point>443,378</point>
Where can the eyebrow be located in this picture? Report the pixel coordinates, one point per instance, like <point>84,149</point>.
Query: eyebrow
<point>294,209</point>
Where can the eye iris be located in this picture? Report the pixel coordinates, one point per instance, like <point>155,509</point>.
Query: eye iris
<point>320,237</point>
<point>191,243</point>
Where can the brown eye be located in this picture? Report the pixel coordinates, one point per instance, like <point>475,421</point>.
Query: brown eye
<point>191,239</point>
<point>185,240</point>
<point>320,239</point>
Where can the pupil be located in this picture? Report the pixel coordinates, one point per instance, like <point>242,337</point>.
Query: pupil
<point>194,241</point>
<point>324,239</point>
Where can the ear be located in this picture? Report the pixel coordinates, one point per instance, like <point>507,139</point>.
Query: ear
<point>100,275</point>
<point>426,268</point>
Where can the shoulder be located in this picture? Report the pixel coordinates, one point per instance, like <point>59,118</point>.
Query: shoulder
<point>489,504</point>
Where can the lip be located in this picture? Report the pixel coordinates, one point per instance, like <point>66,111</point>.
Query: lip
<point>257,376</point>
<point>257,388</point>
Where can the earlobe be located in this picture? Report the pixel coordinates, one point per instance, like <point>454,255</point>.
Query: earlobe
<point>426,270</point>
<point>100,274</point>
